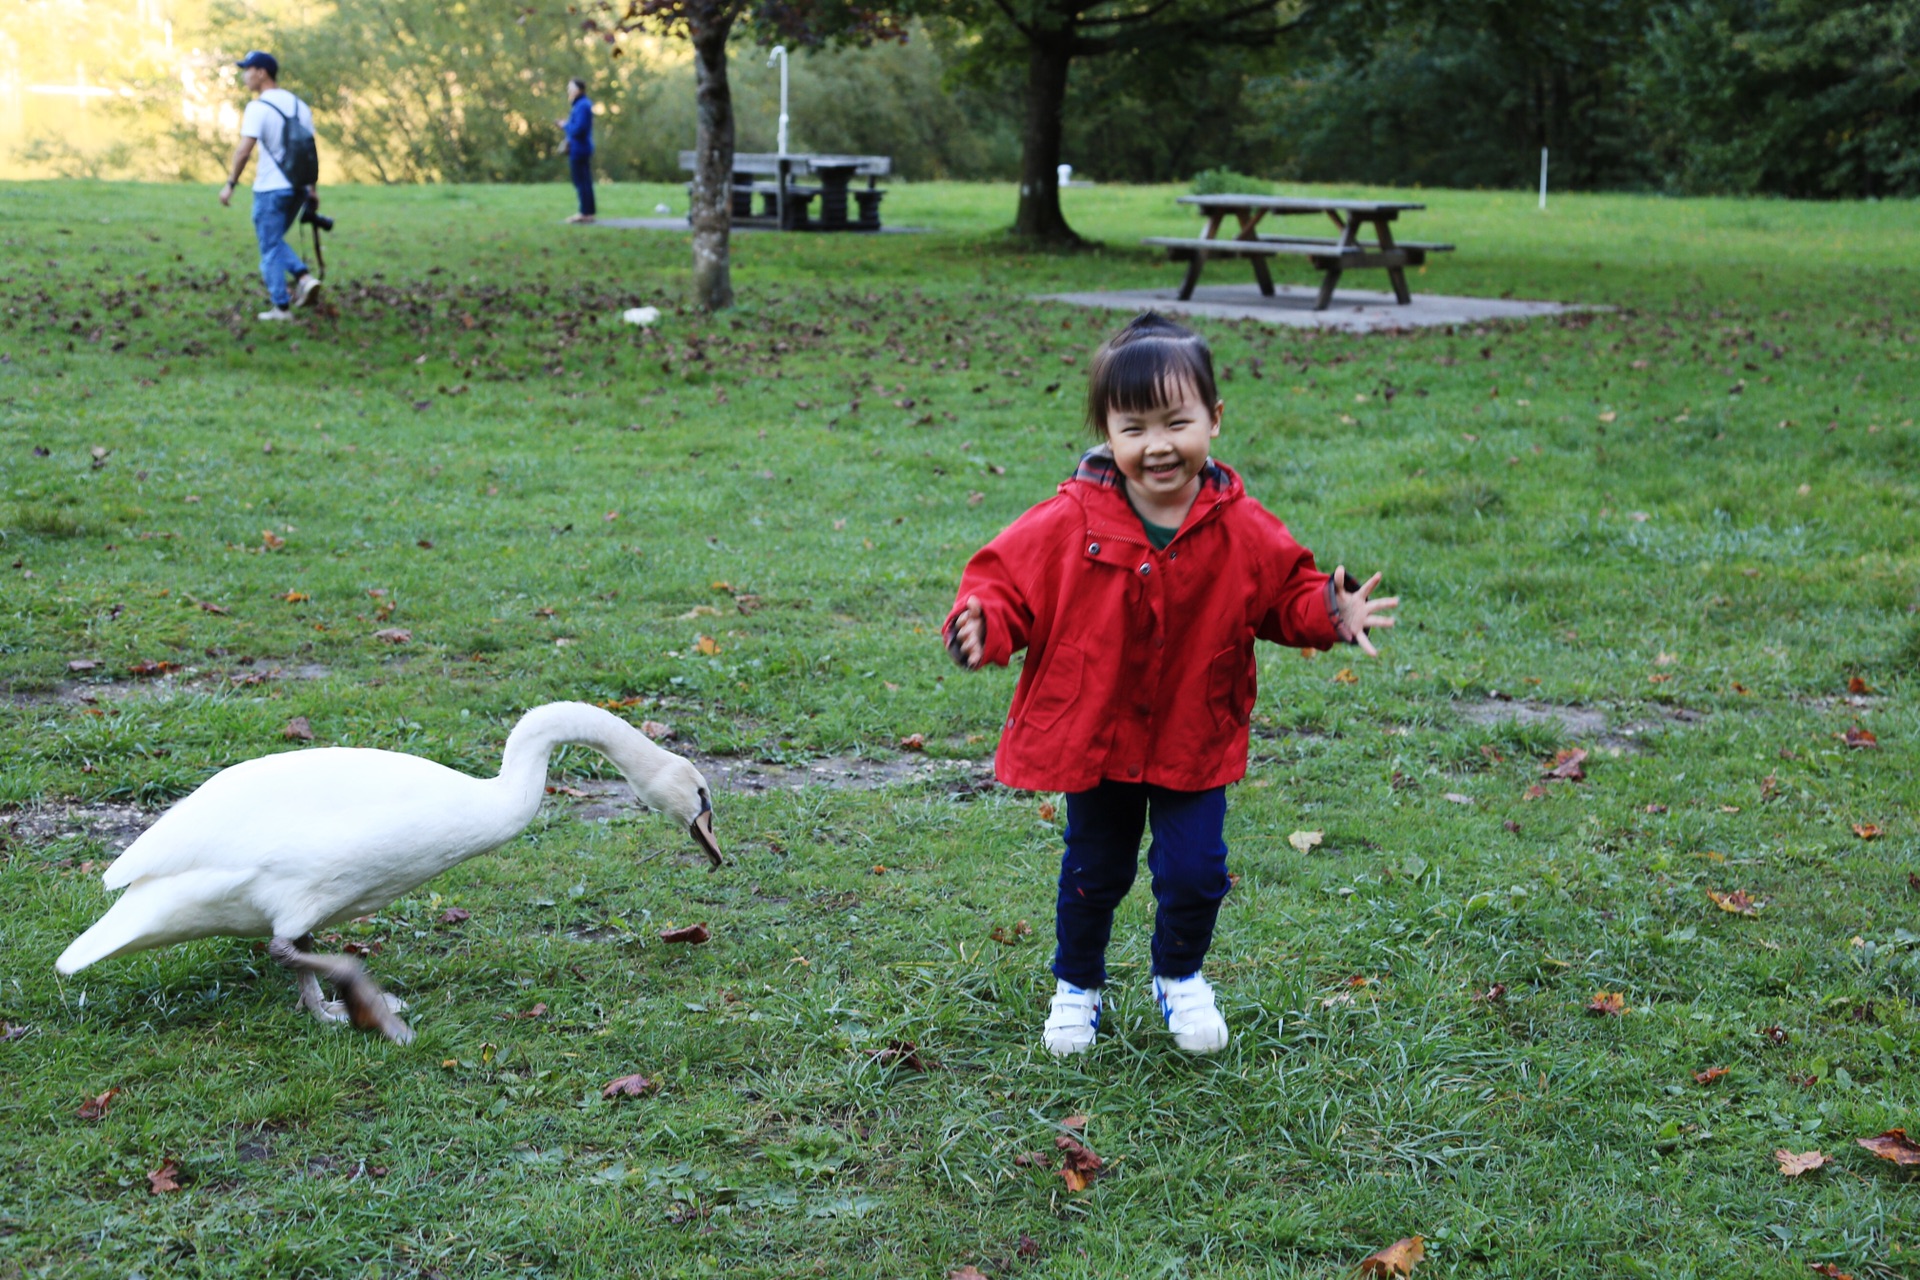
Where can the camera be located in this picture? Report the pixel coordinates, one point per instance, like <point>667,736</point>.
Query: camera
<point>310,214</point>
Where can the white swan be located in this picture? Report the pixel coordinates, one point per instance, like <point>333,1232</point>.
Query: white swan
<point>290,843</point>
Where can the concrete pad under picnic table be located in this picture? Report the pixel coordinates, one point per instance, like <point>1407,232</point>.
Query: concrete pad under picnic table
<point>680,224</point>
<point>1355,310</point>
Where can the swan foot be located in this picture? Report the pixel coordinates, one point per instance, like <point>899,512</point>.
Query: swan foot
<point>362,1002</point>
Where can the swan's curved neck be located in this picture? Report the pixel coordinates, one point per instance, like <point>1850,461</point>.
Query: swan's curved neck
<point>523,768</point>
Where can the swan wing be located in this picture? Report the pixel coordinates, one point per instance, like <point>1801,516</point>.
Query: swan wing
<point>330,814</point>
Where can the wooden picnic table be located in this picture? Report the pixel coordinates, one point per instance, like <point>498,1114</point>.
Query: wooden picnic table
<point>1331,256</point>
<point>784,202</point>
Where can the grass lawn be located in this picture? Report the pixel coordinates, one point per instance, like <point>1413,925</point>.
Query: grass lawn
<point>1672,534</point>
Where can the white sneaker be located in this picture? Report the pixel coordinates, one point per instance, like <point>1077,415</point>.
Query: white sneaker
<point>1187,1005</point>
<point>277,313</point>
<point>1073,1020</point>
<point>304,291</point>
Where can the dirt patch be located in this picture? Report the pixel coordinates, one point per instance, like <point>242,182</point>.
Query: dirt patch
<point>1576,722</point>
<point>171,684</point>
<point>114,825</point>
<point>606,799</point>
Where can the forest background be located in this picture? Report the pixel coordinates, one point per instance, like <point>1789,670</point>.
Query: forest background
<point>1802,98</point>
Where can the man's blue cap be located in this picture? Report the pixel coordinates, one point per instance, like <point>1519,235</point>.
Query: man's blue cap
<point>265,61</point>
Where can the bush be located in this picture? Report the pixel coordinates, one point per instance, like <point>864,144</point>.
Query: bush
<point>1225,182</point>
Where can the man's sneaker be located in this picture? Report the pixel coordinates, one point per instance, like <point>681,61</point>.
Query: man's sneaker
<point>304,289</point>
<point>1187,1005</point>
<point>1072,1022</point>
<point>278,313</point>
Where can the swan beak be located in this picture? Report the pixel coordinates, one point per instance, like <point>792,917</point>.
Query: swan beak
<point>702,832</point>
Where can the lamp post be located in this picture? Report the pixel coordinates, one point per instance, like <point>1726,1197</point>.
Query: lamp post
<point>780,52</point>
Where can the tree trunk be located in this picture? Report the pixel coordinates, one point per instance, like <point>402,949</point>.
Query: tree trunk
<point>1039,217</point>
<point>711,207</point>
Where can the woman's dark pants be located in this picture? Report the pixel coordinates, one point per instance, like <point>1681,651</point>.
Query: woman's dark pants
<point>1188,860</point>
<point>581,167</point>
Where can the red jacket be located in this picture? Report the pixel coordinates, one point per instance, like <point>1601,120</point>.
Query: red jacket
<point>1139,662</point>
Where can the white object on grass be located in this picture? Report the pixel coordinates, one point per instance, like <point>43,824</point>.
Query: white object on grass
<point>1543,177</point>
<point>663,207</point>
<point>640,315</point>
<point>289,843</point>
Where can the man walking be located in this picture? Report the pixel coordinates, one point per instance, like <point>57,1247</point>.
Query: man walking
<point>275,202</point>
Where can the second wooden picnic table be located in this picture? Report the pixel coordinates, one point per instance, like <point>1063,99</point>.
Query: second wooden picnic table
<point>1330,255</point>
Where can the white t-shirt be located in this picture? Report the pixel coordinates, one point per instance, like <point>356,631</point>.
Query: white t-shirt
<point>269,126</point>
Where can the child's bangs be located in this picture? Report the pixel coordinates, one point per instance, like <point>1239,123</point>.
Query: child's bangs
<point>1147,373</point>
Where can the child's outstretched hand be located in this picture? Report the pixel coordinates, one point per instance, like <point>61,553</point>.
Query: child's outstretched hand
<point>971,631</point>
<point>1357,613</point>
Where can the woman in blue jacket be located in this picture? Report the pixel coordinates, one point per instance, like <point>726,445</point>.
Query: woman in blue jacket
<point>579,129</point>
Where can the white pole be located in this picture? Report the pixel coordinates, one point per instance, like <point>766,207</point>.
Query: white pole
<point>1543,176</point>
<point>780,52</point>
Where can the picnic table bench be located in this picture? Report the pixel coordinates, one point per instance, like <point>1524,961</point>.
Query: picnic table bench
<point>1331,256</point>
<point>784,203</point>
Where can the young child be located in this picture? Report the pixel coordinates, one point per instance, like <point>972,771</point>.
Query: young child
<point>1138,592</point>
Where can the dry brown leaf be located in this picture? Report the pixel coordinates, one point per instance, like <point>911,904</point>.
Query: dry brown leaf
<point>1345,676</point>
<point>271,540</point>
<point>1856,685</point>
<point>658,730</point>
<point>1828,1270</point>
<point>95,1108</point>
<point>1078,1166</point>
<point>1566,765</point>
<point>564,790</point>
<point>149,668</point>
<point>1792,1166</point>
<point>1656,807</point>
<point>633,1086</point>
<point>1860,739</point>
<point>1074,1122</point>
<point>1048,811</point>
<point>707,646</point>
<point>539,1010</point>
<point>164,1179</point>
<point>1397,1259</point>
<point>82,664</point>
<point>1867,830</point>
<point>394,635</point>
<point>1738,902</point>
<point>968,1272</point>
<point>1607,1004</point>
<point>297,730</point>
<point>1893,1145</point>
<point>914,742</point>
<point>1033,1160</point>
<point>1534,792</point>
<point>455,915</point>
<point>693,933</point>
<point>1305,840</point>
<point>1495,994</point>
<point>899,1053</point>
<point>1709,1075</point>
<point>1454,797</point>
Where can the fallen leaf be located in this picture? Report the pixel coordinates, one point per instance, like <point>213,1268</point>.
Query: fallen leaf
<point>694,934</point>
<point>295,597</point>
<point>575,792</point>
<point>297,730</point>
<point>1792,1166</point>
<point>1777,1034</point>
<point>658,730</point>
<point>1608,416</point>
<point>1828,1270</point>
<point>271,540</point>
<point>82,664</point>
<point>1860,739</point>
<point>634,1086</point>
<point>1400,1257</point>
<point>699,611</point>
<point>1495,994</point>
<point>899,1053</point>
<point>914,742</point>
<point>95,1108</point>
<point>539,1010</point>
<point>1709,1075</point>
<point>1512,826</point>
<point>208,606</point>
<point>1656,807</point>
<point>1345,676</point>
<point>455,915</point>
<point>394,635</point>
<point>1738,902</point>
<point>1078,1166</point>
<point>1867,830</point>
<point>1856,685</point>
<point>1493,756</point>
<point>1074,1122</point>
<point>1535,792</point>
<point>148,669</point>
<point>1607,1004</point>
<point>164,1179</point>
<point>1913,882</point>
<point>1454,797</point>
<point>707,647</point>
<point>1047,811</point>
<point>1566,765</point>
<point>1305,840</point>
<point>1893,1145</point>
<point>1033,1160</point>
<point>968,1272</point>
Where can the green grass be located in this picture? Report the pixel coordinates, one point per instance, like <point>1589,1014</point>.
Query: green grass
<point>1752,399</point>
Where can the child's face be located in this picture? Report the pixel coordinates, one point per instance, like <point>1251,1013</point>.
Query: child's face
<point>1161,451</point>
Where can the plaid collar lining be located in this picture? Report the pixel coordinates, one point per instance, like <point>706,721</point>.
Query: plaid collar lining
<point>1097,467</point>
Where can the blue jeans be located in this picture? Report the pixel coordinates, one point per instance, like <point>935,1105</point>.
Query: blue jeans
<point>581,168</point>
<point>1188,859</point>
<point>273,214</point>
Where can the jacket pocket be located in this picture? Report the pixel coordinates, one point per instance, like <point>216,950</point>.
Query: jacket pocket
<point>1230,687</point>
<point>1057,689</point>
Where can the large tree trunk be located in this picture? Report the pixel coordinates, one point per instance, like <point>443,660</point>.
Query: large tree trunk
<point>1039,217</point>
<point>711,208</point>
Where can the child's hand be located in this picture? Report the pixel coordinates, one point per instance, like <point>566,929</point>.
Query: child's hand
<point>971,631</point>
<point>1358,614</point>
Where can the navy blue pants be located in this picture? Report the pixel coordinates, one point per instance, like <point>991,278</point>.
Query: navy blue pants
<point>581,167</point>
<point>1188,859</point>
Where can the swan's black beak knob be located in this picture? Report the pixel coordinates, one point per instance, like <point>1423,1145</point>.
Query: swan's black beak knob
<point>702,832</point>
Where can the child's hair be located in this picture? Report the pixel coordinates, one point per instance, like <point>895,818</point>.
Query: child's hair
<point>1144,366</point>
